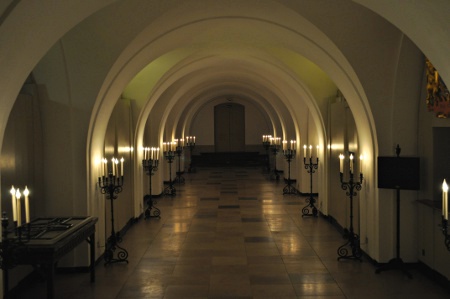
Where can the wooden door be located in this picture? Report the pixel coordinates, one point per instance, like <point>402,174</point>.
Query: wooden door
<point>229,128</point>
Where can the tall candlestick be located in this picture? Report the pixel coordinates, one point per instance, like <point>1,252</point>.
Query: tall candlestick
<point>112,164</point>
<point>445,200</point>
<point>351,163</point>
<point>14,203</point>
<point>19,208</point>
<point>105,167</point>
<point>27,205</point>
<point>361,158</point>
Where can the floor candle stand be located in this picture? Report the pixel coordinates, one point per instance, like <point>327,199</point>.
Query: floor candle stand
<point>150,165</point>
<point>111,185</point>
<point>275,144</point>
<point>311,167</point>
<point>289,154</point>
<point>179,151</point>
<point>169,155</point>
<point>353,239</point>
<point>266,145</point>
<point>190,143</point>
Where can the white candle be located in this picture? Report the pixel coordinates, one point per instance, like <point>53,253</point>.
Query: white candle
<point>341,160</point>
<point>116,164</point>
<point>105,167</point>
<point>351,163</point>
<point>14,203</point>
<point>304,151</point>
<point>27,205</point>
<point>310,151</point>
<point>445,200</point>
<point>19,208</point>
<point>361,158</point>
<point>121,166</point>
<point>113,168</point>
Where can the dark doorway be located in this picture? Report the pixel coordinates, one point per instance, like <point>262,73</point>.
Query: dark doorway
<point>229,128</point>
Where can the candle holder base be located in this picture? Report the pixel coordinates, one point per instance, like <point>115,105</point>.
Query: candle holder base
<point>394,264</point>
<point>151,206</point>
<point>353,243</point>
<point>111,247</point>
<point>289,188</point>
<point>170,190</point>
<point>179,178</point>
<point>310,209</point>
<point>275,175</point>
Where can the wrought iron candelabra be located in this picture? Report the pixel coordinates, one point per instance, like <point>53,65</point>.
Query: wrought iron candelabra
<point>111,185</point>
<point>9,248</point>
<point>275,145</point>
<point>289,153</point>
<point>266,145</point>
<point>353,239</point>
<point>190,143</point>
<point>179,150</point>
<point>169,155</point>
<point>150,165</point>
<point>311,167</point>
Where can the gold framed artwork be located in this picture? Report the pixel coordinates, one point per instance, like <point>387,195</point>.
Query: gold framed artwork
<point>438,96</point>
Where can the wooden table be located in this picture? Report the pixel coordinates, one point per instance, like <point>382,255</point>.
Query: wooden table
<point>50,239</point>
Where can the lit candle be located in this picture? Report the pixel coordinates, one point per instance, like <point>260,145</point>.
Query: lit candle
<point>361,158</point>
<point>27,205</point>
<point>351,163</point>
<point>310,151</point>
<point>14,203</point>
<point>445,200</point>
<point>112,164</point>
<point>116,164</point>
<point>105,167</point>
<point>284,145</point>
<point>341,160</point>
<point>19,208</point>
<point>121,166</point>
<point>304,151</point>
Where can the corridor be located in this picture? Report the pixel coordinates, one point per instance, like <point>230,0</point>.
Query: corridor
<point>230,233</point>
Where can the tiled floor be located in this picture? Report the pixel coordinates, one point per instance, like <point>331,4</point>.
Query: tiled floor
<point>230,233</point>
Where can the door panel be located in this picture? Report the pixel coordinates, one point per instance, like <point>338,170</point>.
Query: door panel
<point>229,128</point>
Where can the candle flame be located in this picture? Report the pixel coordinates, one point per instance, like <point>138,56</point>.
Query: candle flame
<point>445,186</point>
